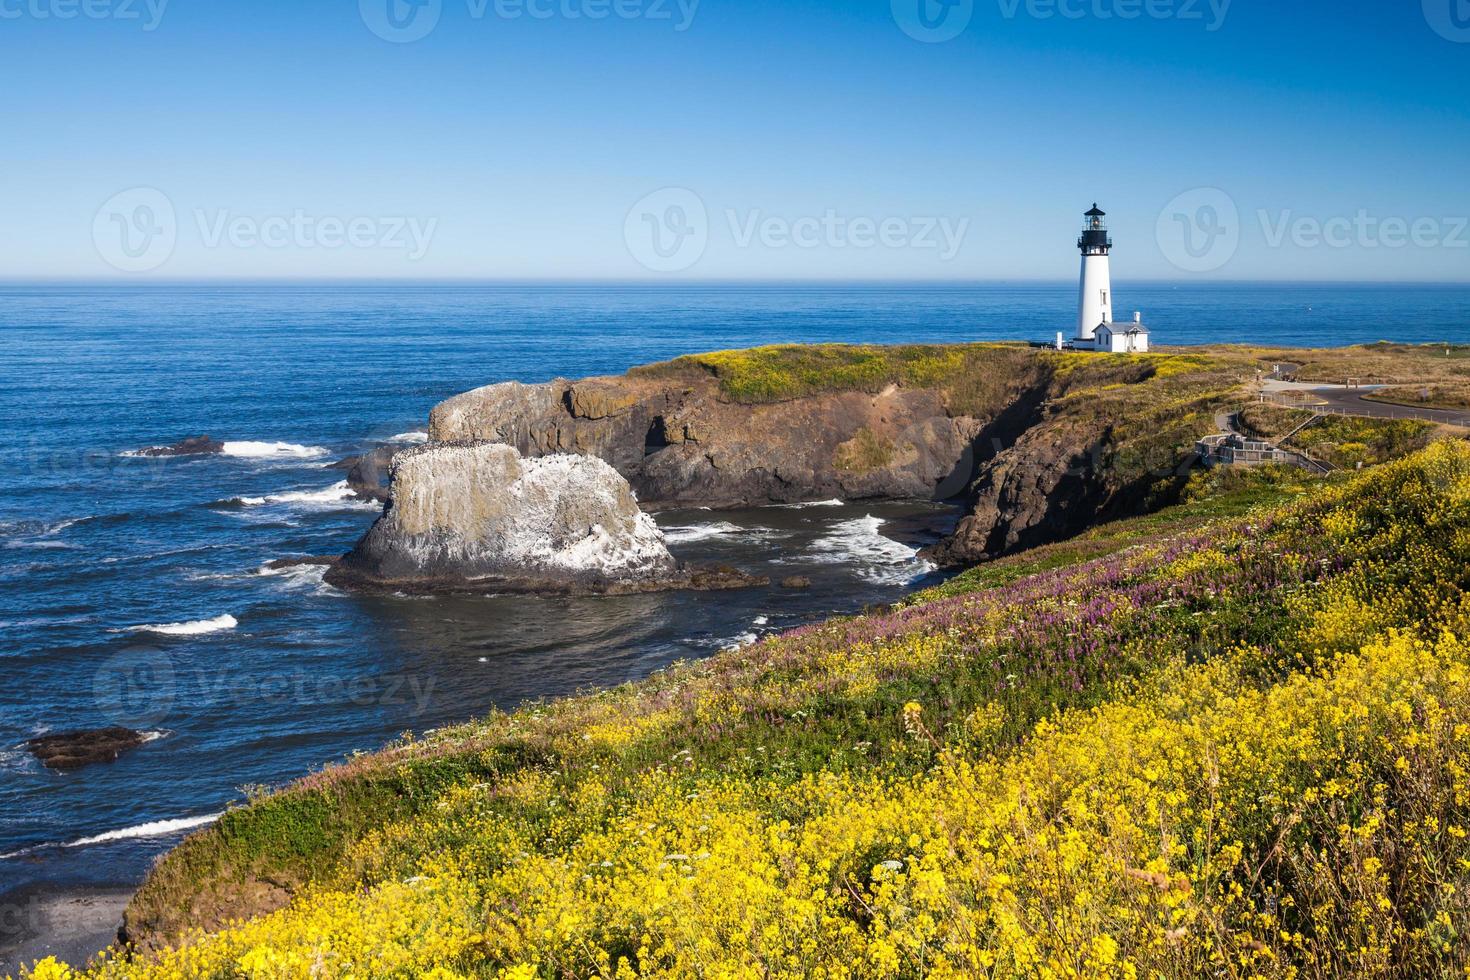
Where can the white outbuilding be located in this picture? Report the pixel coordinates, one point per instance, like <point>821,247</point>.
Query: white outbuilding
<point>1122,338</point>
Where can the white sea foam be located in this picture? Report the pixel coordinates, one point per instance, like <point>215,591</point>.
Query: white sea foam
<point>270,450</point>
<point>16,760</point>
<point>700,532</point>
<point>834,502</point>
<point>762,620</point>
<point>195,628</point>
<point>44,622</point>
<point>34,534</point>
<point>156,828</point>
<point>881,559</point>
<point>295,573</point>
<point>339,496</point>
<point>301,577</point>
<point>412,437</point>
<point>743,640</point>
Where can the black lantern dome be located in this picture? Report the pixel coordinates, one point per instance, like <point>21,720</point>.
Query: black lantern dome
<point>1095,240</point>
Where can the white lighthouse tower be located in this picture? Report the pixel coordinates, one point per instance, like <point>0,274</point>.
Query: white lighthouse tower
<point>1095,299</point>
<point>1095,327</point>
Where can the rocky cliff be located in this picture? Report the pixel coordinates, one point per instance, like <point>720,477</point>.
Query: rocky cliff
<point>679,442</point>
<point>1036,444</point>
<point>481,515</point>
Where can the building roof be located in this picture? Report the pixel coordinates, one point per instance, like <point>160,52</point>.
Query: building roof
<point>1126,327</point>
<point>1096,212</point>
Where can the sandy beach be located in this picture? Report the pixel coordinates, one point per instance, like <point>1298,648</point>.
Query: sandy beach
<point>72,924</point>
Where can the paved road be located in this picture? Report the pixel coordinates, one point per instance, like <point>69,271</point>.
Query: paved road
<point>1350,401</point>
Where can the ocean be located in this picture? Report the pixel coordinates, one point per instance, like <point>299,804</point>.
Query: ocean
<point>130,589</point>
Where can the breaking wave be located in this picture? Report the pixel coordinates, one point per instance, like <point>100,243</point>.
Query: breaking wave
<point>881,559</point>
<point>338,496</point>
<point>700,532</point>
<point>196,628</point>
<point>272,450</point>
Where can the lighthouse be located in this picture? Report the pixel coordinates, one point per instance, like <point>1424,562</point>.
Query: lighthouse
<point>1095,327</point>
<point>1095,299</point>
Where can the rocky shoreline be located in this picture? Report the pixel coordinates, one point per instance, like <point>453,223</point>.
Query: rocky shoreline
<point>1035,445</point>
<point>545,488</point>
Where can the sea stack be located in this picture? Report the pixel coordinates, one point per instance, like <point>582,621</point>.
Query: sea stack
<point>481,517</point>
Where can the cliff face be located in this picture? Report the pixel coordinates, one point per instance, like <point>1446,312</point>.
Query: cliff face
<point>679,442</point>
<point>1037,445</point>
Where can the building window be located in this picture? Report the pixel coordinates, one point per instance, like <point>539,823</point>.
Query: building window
<point>1104,297</point>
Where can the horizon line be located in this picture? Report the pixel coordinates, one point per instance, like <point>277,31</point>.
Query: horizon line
<point>676,282</point>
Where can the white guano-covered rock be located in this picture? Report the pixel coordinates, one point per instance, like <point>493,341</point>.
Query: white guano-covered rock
<point>482,515</point>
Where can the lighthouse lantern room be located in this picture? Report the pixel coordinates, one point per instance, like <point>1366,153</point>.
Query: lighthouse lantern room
<point>1095,327</point>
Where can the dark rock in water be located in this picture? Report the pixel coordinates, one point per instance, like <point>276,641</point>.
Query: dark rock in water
<point>796,582</point>
<point>72,750</point>
<point>721,578</point>
<point>479,517</point>
<point>368,477</point>
<point>192,446</point>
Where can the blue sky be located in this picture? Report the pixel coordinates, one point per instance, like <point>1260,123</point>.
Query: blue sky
<point>668,139</point>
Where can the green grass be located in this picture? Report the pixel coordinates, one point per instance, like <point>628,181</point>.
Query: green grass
<point>975,377</point>
<point>1349,442</point>
<point>865,452</point>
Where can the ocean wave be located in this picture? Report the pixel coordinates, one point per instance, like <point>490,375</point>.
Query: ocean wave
<point>38,534</point>
<point>412,437</point>
<point>142,831</point>
<point>699,532</point>
<point>272,450</point>
<point>152,555</point>
<point>723,642</point>
<point>156,828</point>
<point>834,502</point>
<point>301,577</point>
<point>685,534</point>
<point>44,622</point>
<point>881,559</point>
<point>41,544</point>
<point>197,627</point>
<point>16,760</point>
<point>339,496</point>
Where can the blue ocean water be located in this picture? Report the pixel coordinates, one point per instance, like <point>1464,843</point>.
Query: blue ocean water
<point>257,679</point>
